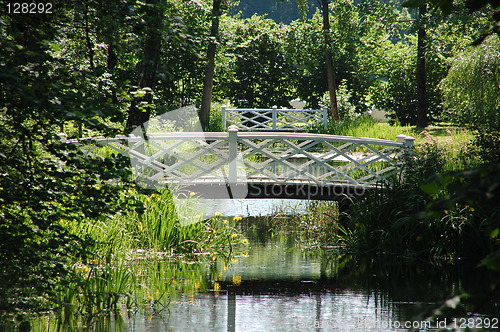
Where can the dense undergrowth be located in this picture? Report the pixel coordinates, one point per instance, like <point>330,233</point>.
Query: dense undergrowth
<point>125,268</point>
<point>402,217</point>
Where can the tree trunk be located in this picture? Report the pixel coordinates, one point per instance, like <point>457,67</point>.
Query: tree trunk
<point>421,71</point>
<point>330,67</point>
<point>147,69</point>
<point>208,82</point>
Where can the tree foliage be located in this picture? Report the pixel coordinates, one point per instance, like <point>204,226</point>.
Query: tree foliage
<point>44,183</point>
<point>92,65</point>
<point>471,89</point>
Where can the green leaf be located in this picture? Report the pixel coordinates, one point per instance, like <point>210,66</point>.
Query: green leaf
<point>492,261</point>
<point>55,47</point>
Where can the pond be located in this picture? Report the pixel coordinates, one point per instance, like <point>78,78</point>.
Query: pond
<point>277,285</point>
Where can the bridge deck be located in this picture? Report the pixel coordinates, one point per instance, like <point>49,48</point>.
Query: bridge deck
<point>237,164</point>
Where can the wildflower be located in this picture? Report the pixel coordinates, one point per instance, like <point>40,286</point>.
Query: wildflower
<point>245,241</point>
<point>197,285</point>
<point>218,214</point>
<point>237,218</point>
<point>234,236</point>
<point>192,193</point>
<point>236,280</point>
<point>226,221</point>
<point>216,286</point>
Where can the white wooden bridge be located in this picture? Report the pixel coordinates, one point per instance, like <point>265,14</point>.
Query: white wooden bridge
<point>274,119</point>
<point>237,164</point>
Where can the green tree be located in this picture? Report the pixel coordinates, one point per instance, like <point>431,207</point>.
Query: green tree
<point>210,69</point>
<point>471,90</point>
<point>256,73</point>
<point>45,184</point>
<point>330,67</point>
<point>149,61</point>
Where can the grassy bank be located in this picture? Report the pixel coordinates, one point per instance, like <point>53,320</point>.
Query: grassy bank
<point>139,260</point>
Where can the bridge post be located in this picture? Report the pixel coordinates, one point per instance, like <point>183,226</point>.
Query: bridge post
<point>274,113</point>
<point>63,137</point>
<point>325,116</point>
<point>233,153</point>
<point>223,116</point>
<point>408,142</point>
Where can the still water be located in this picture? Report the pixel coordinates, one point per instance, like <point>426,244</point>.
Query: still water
<point>277,285</point>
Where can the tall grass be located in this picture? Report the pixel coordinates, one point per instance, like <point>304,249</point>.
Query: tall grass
<point>129,270</point>
<point>136,281</point>
<point>365,126</point>
<point>317,227</point>
<point>388,221</point>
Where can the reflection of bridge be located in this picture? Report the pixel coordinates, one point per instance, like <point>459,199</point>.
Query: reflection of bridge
<point>260,164</point>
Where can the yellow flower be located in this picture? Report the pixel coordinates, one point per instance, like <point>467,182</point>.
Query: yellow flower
<point>216,286</point>
<point>237,218</point>
<point>236,280</point>
<point>234,236</point>
<point>218,214</point>
<point>244,241</point>
<point>197,285</point>
<point>192,193</point>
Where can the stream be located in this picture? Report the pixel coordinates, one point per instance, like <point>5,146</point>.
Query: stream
<point>279,286</point>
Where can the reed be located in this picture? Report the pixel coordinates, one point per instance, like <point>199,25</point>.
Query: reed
<point>388,220</point>
<point>123,274</point>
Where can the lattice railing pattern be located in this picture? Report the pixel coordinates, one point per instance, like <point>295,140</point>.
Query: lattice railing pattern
<point>271,157</point>
<point>274,119</point>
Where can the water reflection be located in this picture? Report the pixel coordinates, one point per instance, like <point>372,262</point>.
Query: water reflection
<point>251,207</point>
<point>279,286</point>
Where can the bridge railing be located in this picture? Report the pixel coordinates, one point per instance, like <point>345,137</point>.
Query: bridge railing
<point>274,119</point>
<point>236,157</point>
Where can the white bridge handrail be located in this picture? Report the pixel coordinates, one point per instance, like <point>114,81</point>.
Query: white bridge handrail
<point>274,119</point>
<point>245,157</point>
